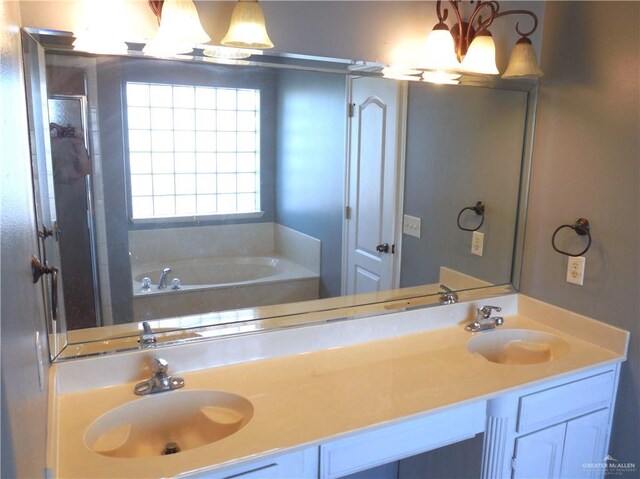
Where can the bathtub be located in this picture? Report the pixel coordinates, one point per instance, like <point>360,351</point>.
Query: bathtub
<point>221,283</point>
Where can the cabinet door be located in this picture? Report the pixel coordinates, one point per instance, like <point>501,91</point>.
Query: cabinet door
<point>296,465</point>
<point>584,446</point>
<point>539,455</point>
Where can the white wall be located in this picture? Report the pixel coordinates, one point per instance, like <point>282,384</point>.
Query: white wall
<point>24,410</point>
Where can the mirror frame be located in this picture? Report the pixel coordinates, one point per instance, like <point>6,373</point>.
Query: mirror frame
<point>253,320</point>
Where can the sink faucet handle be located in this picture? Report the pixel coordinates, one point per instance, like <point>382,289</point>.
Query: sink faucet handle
<point>485,311</point>
<point>159,366</point>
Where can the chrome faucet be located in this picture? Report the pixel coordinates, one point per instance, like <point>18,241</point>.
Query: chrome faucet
<point>484,321</point>
<point>147,336</point>
<point>160,381</point>
<point>162,281</point>
<point>449,296</point>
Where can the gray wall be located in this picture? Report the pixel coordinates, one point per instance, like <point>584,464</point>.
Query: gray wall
<point>464,145</point>
<point>586,163</point>
<point>310,162</point>
<point>24,405</point>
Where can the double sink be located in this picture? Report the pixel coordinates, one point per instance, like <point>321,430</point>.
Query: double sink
<point>175,421</point>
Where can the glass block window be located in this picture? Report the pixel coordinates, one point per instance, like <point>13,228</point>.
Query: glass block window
<point>193,150</point>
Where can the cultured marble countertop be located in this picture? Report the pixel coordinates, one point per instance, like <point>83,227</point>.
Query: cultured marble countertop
<point>310,397</point>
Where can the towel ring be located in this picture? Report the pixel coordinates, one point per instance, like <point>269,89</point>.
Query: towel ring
<point>477,209</point>
<point>582,228</point>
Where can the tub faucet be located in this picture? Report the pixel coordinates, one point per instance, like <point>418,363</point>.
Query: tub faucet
<point>160,381</point>
<point>162,281</point>
<point>449,296</point>
<point>484,321</point>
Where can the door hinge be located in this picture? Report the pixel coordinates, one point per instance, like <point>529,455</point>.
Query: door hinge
<point>347,212</point>
<point>514,463</point>
<point>351,110</point>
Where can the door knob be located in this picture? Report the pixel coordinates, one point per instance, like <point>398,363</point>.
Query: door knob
<point>383,248</point>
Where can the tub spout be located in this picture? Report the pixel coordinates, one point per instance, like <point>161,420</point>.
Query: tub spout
<point>162,281</point>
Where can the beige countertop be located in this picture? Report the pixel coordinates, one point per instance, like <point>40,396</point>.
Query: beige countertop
<point>311,397</point>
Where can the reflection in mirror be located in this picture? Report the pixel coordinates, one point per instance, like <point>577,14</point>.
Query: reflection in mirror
<point>188,187</point>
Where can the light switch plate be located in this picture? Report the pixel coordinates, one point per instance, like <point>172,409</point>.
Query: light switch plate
<point>411,226</point>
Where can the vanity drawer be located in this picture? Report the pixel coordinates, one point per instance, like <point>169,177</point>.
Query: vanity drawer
<point>555,405</point>
<point>391,443</point>
<point>293,465</point>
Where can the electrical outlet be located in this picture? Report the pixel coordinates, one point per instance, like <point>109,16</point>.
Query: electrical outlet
<point>575,270</point>
<point>411,226</point>
<point>477,243</point>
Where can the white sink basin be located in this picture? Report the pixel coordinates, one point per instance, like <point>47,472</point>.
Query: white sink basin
<point>190,419</point>
<point>518,346</point>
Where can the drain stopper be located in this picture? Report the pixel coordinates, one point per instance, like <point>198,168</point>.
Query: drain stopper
<point>171,448</point>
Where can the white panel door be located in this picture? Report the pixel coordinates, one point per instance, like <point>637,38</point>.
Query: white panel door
<point>373,170</point>
<point>539,455</point>
<point>584,445</point>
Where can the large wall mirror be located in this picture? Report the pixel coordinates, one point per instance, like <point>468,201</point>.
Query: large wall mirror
<point>188,193</point>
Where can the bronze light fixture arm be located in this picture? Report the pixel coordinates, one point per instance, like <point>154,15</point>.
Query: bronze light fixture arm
<point>521,12</point>
<point>156,7</point>
<point>465,31</point>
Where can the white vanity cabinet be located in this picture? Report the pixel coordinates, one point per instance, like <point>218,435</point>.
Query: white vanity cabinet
<point>301,464</point>
<point>406,406</point>
<point>369,449</point>
<point>554,432</point>
<point>550,431</point>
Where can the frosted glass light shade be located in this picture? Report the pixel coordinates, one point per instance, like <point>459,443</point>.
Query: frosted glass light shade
<point>89,40</point>
<point>481,55</point>
<point>180,29</point>
<point>247,28</point>
<point>439,50</point>
<point>523,62</point>
<point>101,28</point>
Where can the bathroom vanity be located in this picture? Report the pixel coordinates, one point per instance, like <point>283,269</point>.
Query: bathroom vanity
<point>333,399</point>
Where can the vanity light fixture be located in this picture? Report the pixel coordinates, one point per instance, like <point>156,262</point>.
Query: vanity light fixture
<point>247,28</point>
<point>474,47</point>
<point>180,28</point>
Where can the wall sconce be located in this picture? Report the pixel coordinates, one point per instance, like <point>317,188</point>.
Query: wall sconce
<point>473,46</point>
<point>180,28</point>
